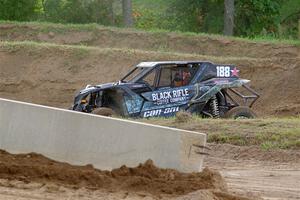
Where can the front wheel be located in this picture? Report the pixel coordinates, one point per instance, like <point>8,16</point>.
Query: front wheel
<point>240,112</point>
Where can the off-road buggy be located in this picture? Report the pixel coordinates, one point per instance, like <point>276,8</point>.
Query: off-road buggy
<point>161,89</point>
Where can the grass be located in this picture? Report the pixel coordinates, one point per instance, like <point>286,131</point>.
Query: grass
<point>54,27</point>
<point>63,28</point>
<point>270,133</point>
<point>83,50</point>
<point>30,45</point>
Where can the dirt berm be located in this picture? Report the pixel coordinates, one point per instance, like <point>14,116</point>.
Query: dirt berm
<point>146,178</point>
<point>50,74</point>
<point>108,37</point>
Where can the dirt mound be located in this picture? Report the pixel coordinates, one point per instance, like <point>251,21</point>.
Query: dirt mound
<point>106,37</point>
<point>143,178</point>
<point>51,74</point>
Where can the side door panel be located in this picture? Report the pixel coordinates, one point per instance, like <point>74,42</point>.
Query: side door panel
<point>165,102</point>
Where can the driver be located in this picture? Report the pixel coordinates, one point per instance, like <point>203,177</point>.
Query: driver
<point>186,77</point>
<point>178,81</point>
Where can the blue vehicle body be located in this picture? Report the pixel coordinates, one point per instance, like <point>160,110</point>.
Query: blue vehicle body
<point>161,89</point>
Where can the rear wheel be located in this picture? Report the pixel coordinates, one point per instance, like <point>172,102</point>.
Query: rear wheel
<point>103,111</point>
<point>240,112</point>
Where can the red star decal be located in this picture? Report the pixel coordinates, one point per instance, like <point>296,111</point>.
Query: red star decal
<point>235,72</point>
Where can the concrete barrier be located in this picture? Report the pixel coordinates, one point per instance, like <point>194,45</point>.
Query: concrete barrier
<point>107,143</point>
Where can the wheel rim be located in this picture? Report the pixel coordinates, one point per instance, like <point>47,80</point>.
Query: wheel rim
<point>242,117</point>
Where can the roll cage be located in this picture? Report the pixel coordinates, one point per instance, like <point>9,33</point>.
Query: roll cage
<point>158,67</point>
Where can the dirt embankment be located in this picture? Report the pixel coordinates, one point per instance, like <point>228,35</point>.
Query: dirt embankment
<point>269,174</point>
<point>106,37</point>
<point>145,178</point>
<point>50,74</point>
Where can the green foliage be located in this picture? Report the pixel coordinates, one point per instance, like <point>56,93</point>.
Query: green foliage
<point>145,19</point>
<point>179,15</point>
<point>20,10</point>
<point>191,15</point>
<point>252,17</point>
<point>212,11</point>
<point>289,16</point>
<point>149,14</point>
<point>257,17</point>
<point>53,10</point>
<point>288,8</point>
<point>187,15</point>
<point>78,11</point>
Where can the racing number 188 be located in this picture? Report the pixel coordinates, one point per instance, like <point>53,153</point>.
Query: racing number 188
<point>223,71</point>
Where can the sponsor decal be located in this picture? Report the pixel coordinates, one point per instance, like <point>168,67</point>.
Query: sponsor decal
<point>235,72</point>
<point>160,112</point>
<point>170,96</point>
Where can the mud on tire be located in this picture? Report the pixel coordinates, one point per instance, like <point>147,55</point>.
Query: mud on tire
<point>104,111</point>
<point>240,112</point>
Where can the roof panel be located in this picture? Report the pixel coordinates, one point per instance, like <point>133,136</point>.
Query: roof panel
<point>154,63</point>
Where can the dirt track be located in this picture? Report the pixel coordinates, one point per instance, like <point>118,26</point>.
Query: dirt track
<point>269,174</point>
<point>32,176</point>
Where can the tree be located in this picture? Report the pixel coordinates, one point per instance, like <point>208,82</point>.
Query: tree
<point>127,13</point>
<point>19,10</point>
<point>255,17</point>
<point>75,11</point>
<point>53,10</point>
<point>197,15</point>
<point>299,29</point>
<point>246,17</point>
<point>111,14</point>
<point>228,17</point>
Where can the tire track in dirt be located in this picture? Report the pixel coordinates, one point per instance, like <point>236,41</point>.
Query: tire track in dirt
<point>266,178</point>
